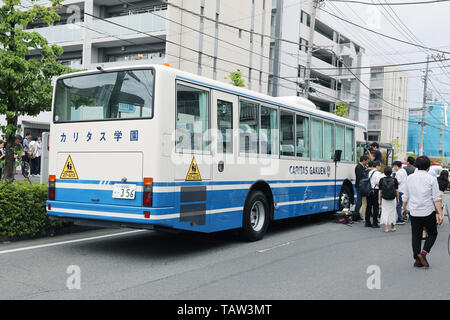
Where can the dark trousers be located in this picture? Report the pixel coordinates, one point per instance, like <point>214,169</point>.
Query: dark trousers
<point>417,225</point>
<point>372,209</point>
<point>36,165</point>
<point>358,200</point>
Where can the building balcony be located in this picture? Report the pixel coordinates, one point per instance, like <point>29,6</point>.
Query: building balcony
<point>375,104</point>
<point>374,125</point>
<point>62,34</point>
<point>377,83</point>
<point>134,23</point>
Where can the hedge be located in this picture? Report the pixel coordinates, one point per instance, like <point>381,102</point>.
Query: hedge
<point>22,211</point>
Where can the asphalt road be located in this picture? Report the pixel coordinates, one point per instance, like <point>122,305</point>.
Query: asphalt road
<point>307,258</point>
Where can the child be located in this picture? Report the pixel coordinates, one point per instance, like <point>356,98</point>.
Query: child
<point>388,199</point>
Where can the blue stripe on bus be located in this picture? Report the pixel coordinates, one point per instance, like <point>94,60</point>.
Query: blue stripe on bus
<point>216,199</point>
<point>183,183</point>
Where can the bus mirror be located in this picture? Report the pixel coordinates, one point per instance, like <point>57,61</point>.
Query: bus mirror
<point>337,155</point>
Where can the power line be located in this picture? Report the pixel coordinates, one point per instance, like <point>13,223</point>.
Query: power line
<point>384,35</point>
<point>391,3</point>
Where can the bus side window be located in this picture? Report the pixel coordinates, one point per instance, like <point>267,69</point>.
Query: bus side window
<point>328,140</point>
<point>349,144</point>
<point>302,137</point>
<point>269,126</point>
<point>248,127</point>
<point>192,119</point>
<point>316,139</point>
<point>340,139</point>
<point>286,134</point>
<point>225,126</point>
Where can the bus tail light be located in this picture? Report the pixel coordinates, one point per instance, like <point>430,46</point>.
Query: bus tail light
<point>147,198</point>
<point>51,187</point>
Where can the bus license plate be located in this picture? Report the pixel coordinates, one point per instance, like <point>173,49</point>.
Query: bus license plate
<point>124,191</point>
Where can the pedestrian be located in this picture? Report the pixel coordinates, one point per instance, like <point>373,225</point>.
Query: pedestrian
<point>2,157</point>
<point>401,176</point>
<point>388,199</point>
<point>373,208</point>
<point>424,199</point>
<point>375,152</point>
<point>443,181</point>
<point>410,168</point>
<point>32,154</point>
<point>26,147</point>
<point>38,156</point>
<point>360,173</point>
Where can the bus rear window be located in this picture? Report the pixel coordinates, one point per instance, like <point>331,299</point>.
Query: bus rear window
<point>109,95</point>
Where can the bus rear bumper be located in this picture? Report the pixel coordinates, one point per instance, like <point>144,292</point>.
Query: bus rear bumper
<point>111,215</point>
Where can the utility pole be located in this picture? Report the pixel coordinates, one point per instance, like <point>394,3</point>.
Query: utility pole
<point>421,150</point>
<point>441,129</point>
<point>310,47</point>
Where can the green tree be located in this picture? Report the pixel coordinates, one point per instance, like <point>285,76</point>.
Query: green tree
<point>341,109</point>
<point>236,78</point>
<point>396,146</point>
<point>26,83</point>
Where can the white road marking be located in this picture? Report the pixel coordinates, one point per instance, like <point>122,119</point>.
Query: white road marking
<point>69,241</point>
<point>278,246</point>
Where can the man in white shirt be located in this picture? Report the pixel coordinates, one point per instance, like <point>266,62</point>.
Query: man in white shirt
<point>373,207</point>
<point>422,194</point>
<point>401,176</point>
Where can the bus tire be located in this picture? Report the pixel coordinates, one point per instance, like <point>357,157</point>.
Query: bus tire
<point>345,199</point>
<point>255,218</point>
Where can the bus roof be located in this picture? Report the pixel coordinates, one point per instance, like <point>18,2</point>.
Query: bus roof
<point>294,103</point>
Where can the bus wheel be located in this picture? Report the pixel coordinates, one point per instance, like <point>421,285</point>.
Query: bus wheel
<point>256,217</point>
<point>345,198</point>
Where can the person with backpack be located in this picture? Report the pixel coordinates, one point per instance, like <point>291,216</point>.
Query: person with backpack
<point>373,208</point>
<point>401,175</point>
<point>388,199</point>
<point>425,205</point>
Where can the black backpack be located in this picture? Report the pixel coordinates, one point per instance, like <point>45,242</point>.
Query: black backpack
<point>388,188</point>
<point>365,187</point>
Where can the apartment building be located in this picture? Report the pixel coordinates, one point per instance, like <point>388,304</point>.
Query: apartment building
<point>388,106</point>
<point>335,63</point>
<point>210,38</point>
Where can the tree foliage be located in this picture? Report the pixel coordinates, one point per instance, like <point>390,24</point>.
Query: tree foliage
<point>341,109</point>
<point>236,78</point>
<point>25,81</point>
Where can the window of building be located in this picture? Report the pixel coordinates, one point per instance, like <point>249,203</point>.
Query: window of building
<point>301,71</point>
<point>286,134</point>
<point>302,137</point>
<point>192,119</point>
<point>248,127</point>
<point>316,139</point>
<point>305,18</point>
<point>225,126</point>
<point>269,126</point>
<point>303,45</point>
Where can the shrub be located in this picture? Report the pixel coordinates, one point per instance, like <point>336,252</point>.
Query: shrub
<point>22,210</point>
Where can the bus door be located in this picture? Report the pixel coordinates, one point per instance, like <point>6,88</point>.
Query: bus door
<point>193,157</point>
<point>193,154</point>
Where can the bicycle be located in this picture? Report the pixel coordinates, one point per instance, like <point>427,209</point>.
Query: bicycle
<point>25,168</point>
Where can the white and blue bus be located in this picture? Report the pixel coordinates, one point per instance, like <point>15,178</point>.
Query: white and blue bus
<point>155,147</point>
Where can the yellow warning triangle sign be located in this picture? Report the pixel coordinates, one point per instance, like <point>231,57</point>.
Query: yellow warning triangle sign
<point>69,172</point>
<point>193,172</point>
